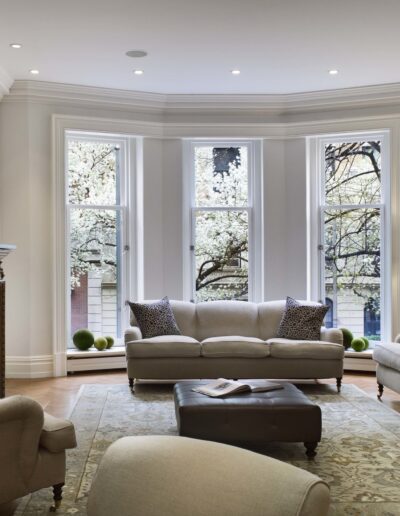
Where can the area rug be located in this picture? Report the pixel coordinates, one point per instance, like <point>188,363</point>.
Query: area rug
<point>359,455</point>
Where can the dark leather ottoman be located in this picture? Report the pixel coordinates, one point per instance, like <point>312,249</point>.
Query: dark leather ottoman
<point>252,419</point>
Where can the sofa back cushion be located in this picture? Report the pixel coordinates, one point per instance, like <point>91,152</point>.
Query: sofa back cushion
<point>185,317</point>
<point>219,318</point>
<point>269,317</point>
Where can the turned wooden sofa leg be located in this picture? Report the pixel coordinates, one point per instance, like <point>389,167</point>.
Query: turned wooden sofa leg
<point>339,383</point>
<point>57,497</point>
<point>132,384</point>
<point>380,391</point>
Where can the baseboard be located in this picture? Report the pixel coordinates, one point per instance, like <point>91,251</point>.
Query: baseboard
<point>39,366</point>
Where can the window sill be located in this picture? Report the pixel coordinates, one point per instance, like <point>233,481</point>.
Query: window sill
<point>367,354</point>
<point>115,351</point>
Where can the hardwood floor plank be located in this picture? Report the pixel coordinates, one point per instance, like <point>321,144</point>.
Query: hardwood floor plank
<point>58,395</point>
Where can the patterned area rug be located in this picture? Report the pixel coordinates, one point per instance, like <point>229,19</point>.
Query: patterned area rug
<point>359,455</point>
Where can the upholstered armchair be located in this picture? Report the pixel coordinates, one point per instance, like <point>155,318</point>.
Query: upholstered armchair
<point>387,358</point>
<point>163,475</point>
<point>32,449</point>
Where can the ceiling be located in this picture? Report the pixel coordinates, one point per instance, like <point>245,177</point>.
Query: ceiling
<point>280,46</point>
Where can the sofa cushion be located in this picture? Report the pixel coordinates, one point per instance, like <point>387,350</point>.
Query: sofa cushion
<point>388,355</point>
<point>234,346</point>
<point>221,318</point>
<point>269,317</point>
<point>155,319</point>
<point>165,346</point>
<point>302,321</point>
<point>318,350</point>
<point>185,316</point>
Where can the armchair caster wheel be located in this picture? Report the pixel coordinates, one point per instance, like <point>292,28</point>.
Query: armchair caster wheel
<point>57,497</point>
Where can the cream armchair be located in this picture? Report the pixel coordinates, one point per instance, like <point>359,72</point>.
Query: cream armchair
<point>169,475</point>
<point>32,449</point>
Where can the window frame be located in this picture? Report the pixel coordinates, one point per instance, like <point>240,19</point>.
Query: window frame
<point>317,206</point>
<point>253,209</point>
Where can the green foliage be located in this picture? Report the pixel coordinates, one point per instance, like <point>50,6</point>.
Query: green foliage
<point>83,339</point>
<point>366,342</point>
<point>347,337</point>
<point>110,341</point>
<point>358,344</point>
<point>100,343</point>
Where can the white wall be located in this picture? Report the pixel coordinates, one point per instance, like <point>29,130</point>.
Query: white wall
<point>26,216</point>
<point>15,214</point>
<point>153,218</point>
<point>172,218</point>
<point>274,219</point>
<point>296,218</point>
<point>285,224</point>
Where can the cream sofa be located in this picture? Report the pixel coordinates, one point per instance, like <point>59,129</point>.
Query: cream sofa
<point>168,475</point>
<point>231,339</point>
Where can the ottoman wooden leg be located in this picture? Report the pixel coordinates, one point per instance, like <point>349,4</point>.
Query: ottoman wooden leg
<point>380,391</point>
<point>310,449</point>
<point>57,497</point>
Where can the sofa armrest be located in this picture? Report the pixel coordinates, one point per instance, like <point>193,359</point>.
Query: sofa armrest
<point>132,333</point>
<point>57,434</point>
<point>332,335</point>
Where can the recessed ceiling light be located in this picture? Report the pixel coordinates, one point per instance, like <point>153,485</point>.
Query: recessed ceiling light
<point>333,72</point>
<point>15,45</point>
<point>136,53</point>
<point>34,72</point>
<point>235,72</point>
<point>138,72</point>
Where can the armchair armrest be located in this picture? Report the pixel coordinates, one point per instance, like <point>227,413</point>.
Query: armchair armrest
<point>57,434</point>
<point>332,335</point>
<point>21,421</point>
<point>132,333</point>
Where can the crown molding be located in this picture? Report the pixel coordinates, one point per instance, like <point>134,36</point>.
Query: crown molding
<point>5,83</point>
<point>60,93</point>
<point>285,103</point>
<point>170,104</point>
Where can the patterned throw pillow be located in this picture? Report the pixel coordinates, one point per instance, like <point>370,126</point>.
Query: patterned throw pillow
<point>155,319</point>
<point>302,322</point>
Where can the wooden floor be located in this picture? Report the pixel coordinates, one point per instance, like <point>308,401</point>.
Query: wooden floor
<point>58,395</point>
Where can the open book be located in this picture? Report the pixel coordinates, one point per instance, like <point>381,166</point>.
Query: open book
<point>223,387</point>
